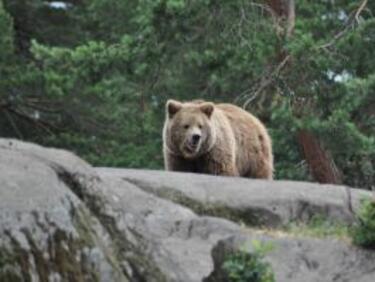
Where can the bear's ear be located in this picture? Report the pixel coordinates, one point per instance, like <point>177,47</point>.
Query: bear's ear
<point>207,108</point>
<point>173,107</point>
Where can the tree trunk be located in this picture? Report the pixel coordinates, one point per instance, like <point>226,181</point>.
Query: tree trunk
<point>285,10</point>
<point>321,164</point>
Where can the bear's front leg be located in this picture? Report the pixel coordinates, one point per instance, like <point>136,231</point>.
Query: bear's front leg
<point>176,163</point>
<point>221,166</point>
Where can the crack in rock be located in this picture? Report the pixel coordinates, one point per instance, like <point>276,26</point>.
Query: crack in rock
<point>141,265</point>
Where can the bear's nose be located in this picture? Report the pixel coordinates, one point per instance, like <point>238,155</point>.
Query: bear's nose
<point>196,138</point>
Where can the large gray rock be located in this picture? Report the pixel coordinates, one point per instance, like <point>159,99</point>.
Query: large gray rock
<point>46,232</point>
<point>62,220</point>
<point>255,202</point>
<point>58,180</point>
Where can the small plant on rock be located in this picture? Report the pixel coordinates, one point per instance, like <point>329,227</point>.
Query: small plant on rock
<point>364,232</point>
<point>244,266</point>
<point>318,226</point>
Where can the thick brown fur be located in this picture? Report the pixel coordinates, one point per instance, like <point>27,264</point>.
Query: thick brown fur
<point>231,141</point>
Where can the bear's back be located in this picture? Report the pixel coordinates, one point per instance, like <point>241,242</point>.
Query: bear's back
<point>240,119</point>
<point>250,134</point>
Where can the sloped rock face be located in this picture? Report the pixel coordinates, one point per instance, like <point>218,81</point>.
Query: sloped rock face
<point>46,232</point>
<point>62,220</point>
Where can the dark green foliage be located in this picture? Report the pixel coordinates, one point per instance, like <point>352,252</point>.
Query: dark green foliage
<point>93,77</point>
<point>364,232</point>
<point>6,39</point>
<point>244,266</point>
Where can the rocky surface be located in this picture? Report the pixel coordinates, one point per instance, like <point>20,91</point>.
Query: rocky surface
<point>255,202</point>
<point>62,220</point>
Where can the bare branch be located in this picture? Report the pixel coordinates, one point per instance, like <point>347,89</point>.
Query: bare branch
<point>360,9</point>
<point>267,80</point>
<point>38,123</point>
<point>353,18</point>
<point>291,18</point>
<point>13,124</point>
<point>268,9</point>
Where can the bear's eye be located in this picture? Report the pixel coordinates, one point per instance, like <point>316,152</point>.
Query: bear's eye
<point>186,126</point>
<point>200,126</point>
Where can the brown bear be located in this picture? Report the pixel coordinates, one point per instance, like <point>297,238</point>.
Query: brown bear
<point>219,139</point>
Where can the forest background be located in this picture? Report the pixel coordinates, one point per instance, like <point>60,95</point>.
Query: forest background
<point>93,77</point>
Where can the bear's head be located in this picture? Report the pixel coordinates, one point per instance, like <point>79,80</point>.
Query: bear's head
<point>189,130</point>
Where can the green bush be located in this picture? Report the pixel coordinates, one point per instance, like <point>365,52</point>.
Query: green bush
<point>364,232</point>
<point>244,266</point>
